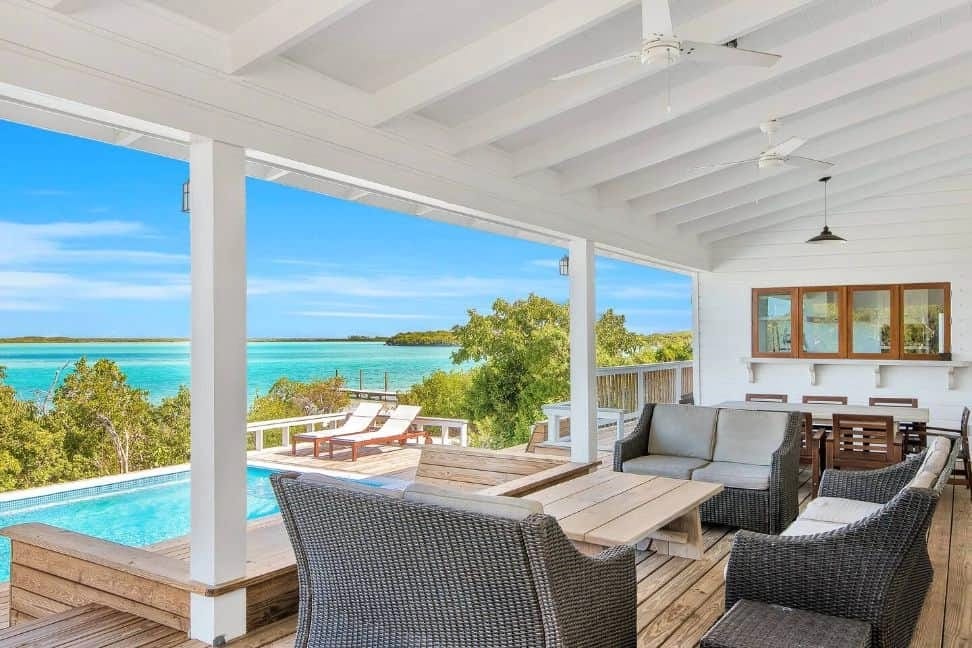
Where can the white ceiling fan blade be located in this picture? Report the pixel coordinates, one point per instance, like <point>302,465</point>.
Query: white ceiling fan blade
<point>656,18</point>
<point>611,62</point>
<point>809,163</point>
<point>728,55</point>
<point>724,165</point>
<point>785,148</point>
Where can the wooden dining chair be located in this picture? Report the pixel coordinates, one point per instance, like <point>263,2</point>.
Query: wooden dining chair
<point>961,475</point>
<point>914,434</point>
<point>825,400</point>
<point>863,442</point>
<point>766,398</point>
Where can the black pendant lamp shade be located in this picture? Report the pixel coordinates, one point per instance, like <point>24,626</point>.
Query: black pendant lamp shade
<point>825,235</point>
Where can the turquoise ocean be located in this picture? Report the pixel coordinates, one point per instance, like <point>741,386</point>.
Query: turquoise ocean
<point>160,367</point>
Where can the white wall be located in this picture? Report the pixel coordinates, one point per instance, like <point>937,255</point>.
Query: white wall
<point>924,235</point>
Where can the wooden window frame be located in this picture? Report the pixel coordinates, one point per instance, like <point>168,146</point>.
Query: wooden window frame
<point>947,287</point>
<point>794,324</point>
<point>896,322</point>
<point>845,321</point>
<point>841,319</point>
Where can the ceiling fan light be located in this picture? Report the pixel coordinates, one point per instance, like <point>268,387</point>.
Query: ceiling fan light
<point>826,236</point>
<point>771,162</point>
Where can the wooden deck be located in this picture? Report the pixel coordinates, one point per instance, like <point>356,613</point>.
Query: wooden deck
<point>678,598</point>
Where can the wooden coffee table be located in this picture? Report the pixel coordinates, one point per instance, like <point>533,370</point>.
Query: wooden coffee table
<point>606,508</point>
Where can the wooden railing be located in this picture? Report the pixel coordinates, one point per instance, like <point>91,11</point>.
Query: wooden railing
<point>318,422</point>
<point>630,387</point>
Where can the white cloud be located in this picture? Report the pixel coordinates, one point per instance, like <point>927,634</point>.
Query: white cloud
<point>52,288</point>
<point>360,315</point>
<point>545,263</point>
<point>29,244</point>
<point>651,291</point>
<point>399,286</point>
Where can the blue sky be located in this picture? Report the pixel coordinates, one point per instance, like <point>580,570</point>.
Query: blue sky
<point>93,243</point>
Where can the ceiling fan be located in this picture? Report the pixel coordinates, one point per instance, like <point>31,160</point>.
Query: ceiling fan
<point>777,155</point>
<point>660,46</point>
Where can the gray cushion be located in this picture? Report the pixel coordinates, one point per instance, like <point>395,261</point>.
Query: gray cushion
<point>682,431</point>
<point>802,526</point>
<point>347,484</point>
<point>663,466</point>
<point>511,508</point>
<point>838,510</point>
<point>749,437</point>
<point>931,469</point>
<point>734,475</point>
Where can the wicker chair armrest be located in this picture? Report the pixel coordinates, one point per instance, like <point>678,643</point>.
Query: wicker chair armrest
<point>877,486</point>
<point>785,475</point>
<point>636,443</point>
<point>588,600</point>
<point>948,433</point>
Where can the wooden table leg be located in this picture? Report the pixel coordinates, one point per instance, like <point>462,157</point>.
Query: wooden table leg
<point>681,537</point>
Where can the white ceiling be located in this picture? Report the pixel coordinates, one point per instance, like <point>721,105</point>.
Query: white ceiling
<point>880,88</point>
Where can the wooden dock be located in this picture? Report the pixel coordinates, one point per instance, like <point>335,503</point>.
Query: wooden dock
<point>678,598</point>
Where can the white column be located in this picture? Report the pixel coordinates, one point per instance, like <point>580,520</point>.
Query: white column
<point>583,395</point>
<point>218,358</point>
<point>696,339</point>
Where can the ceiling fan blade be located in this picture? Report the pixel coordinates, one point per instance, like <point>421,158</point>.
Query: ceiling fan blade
<point>789,146</point>
<point>724,165</point>
<point>728,55</point>
<point>656,18</point>
<point>611,62</point>
<point>809,163</point>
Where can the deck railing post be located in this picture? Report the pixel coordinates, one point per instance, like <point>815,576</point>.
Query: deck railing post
<point>677,387</point>
<point>464,434</point>
<point>642,399</point>
<point>218,384</point>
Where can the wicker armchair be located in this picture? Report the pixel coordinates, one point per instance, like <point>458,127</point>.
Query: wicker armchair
<point>876,569</point>
<point>377,571</point>
<point>766,511</point>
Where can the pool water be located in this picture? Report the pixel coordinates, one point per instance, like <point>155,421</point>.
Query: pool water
<point>136,513</point>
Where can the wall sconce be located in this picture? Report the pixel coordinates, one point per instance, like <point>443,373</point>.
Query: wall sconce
<point>185,197</point>
<point>564,265</point>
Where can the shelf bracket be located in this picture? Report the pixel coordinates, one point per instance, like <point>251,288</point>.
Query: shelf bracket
<point>813,374</point>
<point>877,375</point>
<point>750,371</point>
<point>950,378</point>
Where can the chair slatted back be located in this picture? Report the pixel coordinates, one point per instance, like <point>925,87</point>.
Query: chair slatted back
<point>825,400</point>
<point>806,440</point>
<point>886,401</point>
<point>862,442</point>
<point>766,398</point>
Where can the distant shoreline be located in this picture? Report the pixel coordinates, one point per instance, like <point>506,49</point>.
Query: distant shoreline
<point>123,340</point>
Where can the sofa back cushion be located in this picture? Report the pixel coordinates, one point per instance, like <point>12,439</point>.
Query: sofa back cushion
<point>749,437</point>
<point>318,479</point>
<point>936,459</point>
<point>682,431</point>
<point>510,508</point>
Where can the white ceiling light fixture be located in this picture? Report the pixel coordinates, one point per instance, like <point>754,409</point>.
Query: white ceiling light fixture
<point>660,46</point>
<point>825,235</point>
<point>776,156</point>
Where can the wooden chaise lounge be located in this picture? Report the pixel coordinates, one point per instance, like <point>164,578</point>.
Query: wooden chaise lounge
<point>359,420</point>
<point>398,428</point>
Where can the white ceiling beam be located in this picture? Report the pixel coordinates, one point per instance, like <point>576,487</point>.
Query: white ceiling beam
<point>849,149</point>
<point>282,26</point>
<point>639,117</point>
<point>721,25</point>
<point>354,195</point>
<point>275,174</point>
<point>69,6</point>
<point>127,138</point>
<point>508,45</point>
<point>906,153</point>
<point>671,174</point>
<point>916,171</point>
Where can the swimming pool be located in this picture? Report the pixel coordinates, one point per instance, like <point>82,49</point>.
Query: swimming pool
<point>134,512</point>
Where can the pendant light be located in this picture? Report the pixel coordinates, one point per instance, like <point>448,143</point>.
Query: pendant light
<point>825,235</point>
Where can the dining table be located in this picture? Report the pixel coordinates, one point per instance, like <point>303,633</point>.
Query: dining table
<point>823,413</point>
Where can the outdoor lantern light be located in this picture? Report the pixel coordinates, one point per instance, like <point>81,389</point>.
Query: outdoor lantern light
<point>825,235</point>
<point>564,265</point>
<point>185,197</point>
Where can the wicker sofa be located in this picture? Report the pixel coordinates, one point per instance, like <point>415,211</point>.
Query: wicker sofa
<point>858,551</point>
<point>754,454</point>
<point>430,566</point>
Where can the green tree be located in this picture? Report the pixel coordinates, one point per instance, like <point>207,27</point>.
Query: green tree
<point>441,393</point>
<point>104,421</point>
<point>168,441</point>
<point>288,398</point>
<point>30,454</point>
<point>616,344</point>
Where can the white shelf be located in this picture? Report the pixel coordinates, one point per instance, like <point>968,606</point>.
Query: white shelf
<point>949,366</point>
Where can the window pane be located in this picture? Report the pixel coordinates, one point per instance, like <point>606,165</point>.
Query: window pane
<point>821,321</point>
<point>871,313</point>
<point>774,322</point>
<point>924,321</point>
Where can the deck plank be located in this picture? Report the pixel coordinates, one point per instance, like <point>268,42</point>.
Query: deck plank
<point>958,602</point>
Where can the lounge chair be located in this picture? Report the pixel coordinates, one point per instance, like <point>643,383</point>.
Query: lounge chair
<point>398,428</point>
<point>360,420</point>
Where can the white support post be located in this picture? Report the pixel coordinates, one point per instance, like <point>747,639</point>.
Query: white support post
<point>218,360</point>
<point>464,434</point>
<point>678,385</point>
<point>583,392</point>
<point>641,376</point>
<point>696,343</point>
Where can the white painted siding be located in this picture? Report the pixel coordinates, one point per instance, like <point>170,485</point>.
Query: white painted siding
<point>919,235</point>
